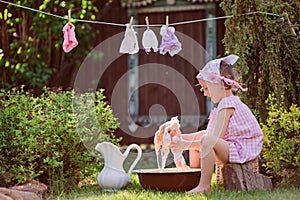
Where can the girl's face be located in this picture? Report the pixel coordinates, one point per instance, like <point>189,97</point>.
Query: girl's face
<point>214,91</point>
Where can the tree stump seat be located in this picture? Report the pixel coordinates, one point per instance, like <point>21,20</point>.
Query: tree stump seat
<point>242,177</point>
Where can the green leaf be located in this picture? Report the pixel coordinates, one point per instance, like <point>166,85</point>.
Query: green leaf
<point>7,63</point>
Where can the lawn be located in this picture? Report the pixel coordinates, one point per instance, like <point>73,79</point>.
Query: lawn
<point>135,191</point>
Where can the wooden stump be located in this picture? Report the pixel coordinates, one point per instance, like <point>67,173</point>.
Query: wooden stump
<point>241,177</point>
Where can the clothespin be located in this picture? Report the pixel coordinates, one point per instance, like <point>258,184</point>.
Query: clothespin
<point>147,22</point>
<point>167,22</point>
<point>130,22</point>
<point>69,16</point>
<point>290,24</point>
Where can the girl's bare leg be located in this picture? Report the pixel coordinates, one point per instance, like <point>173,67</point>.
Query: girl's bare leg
<point>194,155</point>
<point>210,147</point>
<point>194,159</point>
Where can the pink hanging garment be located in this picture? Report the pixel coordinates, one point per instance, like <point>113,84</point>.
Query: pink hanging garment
<point>70,41</point>
<point>169,41</point>
<point>130,43</point>
<point>150,41</point>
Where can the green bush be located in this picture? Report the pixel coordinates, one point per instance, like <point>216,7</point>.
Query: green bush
<point>281,149</point>
<point>42,139</point>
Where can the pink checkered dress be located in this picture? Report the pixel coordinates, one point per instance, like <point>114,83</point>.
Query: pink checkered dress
<point>243,133</point>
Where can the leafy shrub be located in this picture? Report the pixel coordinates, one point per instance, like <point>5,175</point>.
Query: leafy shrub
<point>281,149</point>
<point>41,139</point>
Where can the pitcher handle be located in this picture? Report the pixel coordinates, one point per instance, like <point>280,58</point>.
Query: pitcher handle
<point>138,148</point>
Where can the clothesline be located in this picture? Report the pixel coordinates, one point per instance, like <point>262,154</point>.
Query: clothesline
<point>135,25</point>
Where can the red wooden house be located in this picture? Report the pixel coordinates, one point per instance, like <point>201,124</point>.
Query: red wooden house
<point>144,89</point>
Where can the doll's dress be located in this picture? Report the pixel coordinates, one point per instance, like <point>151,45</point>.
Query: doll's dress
<point>70,41</point>
<point>169,43</point>
<point>149,41</point>
<point>129,43</point>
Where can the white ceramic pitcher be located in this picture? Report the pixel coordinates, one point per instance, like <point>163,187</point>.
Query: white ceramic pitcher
<point>113,176</point>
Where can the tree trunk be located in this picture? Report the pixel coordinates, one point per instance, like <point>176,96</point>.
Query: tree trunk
<point>241,177</point>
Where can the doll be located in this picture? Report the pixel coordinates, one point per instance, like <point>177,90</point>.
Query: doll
<point>168,132</point>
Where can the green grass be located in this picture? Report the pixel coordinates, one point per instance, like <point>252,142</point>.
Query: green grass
<point>135,191</point>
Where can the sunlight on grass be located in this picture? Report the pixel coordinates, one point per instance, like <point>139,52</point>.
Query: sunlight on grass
<point>135,191</point>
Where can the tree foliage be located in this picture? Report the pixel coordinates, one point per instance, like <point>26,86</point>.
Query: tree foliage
<point>31,42</point>
<point>268,50</point>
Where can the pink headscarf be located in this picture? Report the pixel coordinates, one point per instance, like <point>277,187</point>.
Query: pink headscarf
<point>211,71</point>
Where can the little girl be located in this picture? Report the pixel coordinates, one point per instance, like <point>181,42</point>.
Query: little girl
<point>233,135</point>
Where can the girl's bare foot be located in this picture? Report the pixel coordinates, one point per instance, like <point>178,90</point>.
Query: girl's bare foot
<point>199,190</point>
